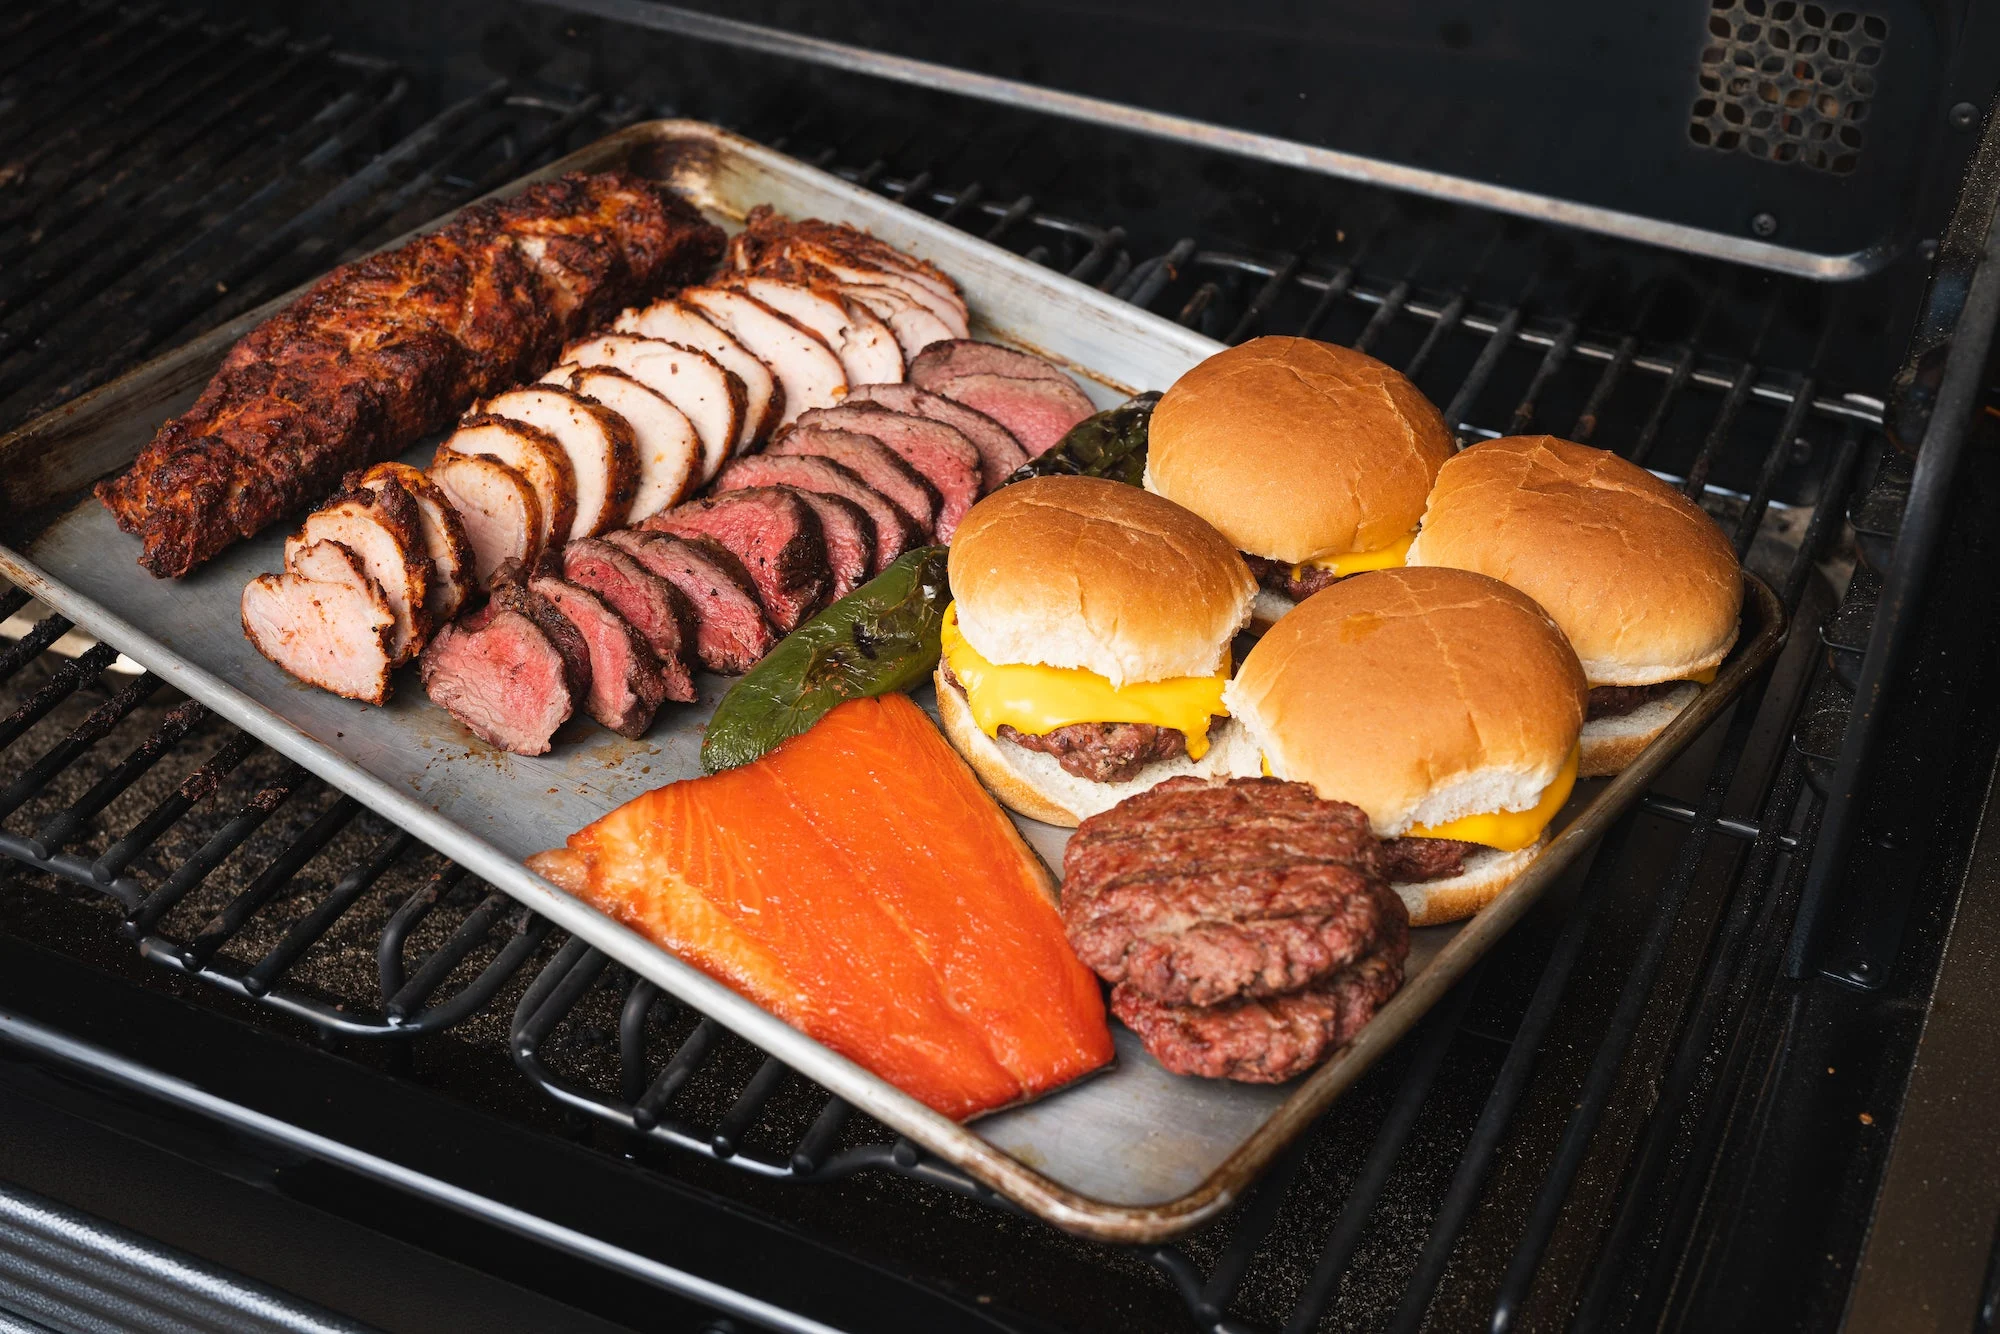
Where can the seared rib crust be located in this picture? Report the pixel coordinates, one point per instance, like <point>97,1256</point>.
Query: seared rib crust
<point>387,349</point>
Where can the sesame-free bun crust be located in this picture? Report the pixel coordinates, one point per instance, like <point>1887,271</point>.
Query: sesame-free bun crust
<point>1296,448</point>
<point>1081,572</point>
<point>1639,578</point>
<point>1609,744</point>
<point>1486,873</point>
<point>1420,695</point>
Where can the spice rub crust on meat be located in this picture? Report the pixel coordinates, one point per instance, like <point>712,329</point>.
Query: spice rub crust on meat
<point>1248,927</point>
<point>386,349</point>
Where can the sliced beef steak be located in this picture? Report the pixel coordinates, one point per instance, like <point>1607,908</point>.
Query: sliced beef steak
<point>893,531</point>
<point>1039,413</point>
<point>625,682</point>
<point>880,467</point>
<point>850,540</point>
<point>658,612</point>
<point>999,452</point>
<point>778,538</point>
<point>731,633</point>
<point>945,458</point>
<point>965,356</point>
<point>512,673</point>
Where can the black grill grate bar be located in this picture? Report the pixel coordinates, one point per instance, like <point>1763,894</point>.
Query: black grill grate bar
<point>1449,319</point>
<point>1259,1216</point>
<point>1460,408</point>
<point>196,954</point>
<point>88,733</point>
<point>1775,459</point>
<point>476,927</point>
<point>196,788</point>
<point>1553,360</point>
<point>69,74</point>
<point>308,930</point>
<point>1696,483</point>
<point>1827,518</point>
<point>743,1113</point>
<point>66,681</point>
<point>226,840</point>
<point>11,601</point>
<point>389,970</point>
<point>31,645</point>
<point>812,1149</point>
<point>675,1074</point>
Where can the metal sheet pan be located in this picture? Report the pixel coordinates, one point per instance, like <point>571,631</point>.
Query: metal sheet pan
<point>1134,1154</point>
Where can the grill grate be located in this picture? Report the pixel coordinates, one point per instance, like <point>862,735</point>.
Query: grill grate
<point>1768,448</point>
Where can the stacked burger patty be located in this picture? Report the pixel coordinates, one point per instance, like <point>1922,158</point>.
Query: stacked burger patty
<point>1246,926</point>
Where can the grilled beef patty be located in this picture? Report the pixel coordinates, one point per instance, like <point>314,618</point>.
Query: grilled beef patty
<point>1617,701</point>
<point>1103,752</point>
<point>1276,575</point>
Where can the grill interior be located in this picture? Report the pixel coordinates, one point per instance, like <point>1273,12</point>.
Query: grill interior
<point>1509,1164</point>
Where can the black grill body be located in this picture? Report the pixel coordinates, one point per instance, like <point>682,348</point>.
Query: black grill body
<point>1669,1100</point>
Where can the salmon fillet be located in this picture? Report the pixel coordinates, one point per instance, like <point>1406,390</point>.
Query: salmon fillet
<point>859,883</point>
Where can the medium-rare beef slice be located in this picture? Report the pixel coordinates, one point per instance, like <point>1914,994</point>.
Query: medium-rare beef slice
<point>850,539</point>
<point>945,458</point>
<point>1617,701</point>
<point>1103,752</point>
<point>1261,917</point>
<point>999,452</point>
<point>966,356</point>
<point>880,467</point>
<point>511,673</point>
<point>894,532</point>
<point>1263,1041</point>
<point>731,633</point>
<point>778,538</point>
<point>625,682</point>
<point>1038,412</point>
<point>657,611</point>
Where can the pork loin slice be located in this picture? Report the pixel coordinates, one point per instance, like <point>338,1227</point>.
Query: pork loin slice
<point>502,517</point>
<point>968,356</point>
<point>711,395</point>
<point>657,611</point>
<point>999,452</point>
<point>850,540</point>
<point>667,448</point>
<point>602,448</point>
<point>914,325</point>
<point>894,531</point>
<point>778,538</point>
<point>512,673</point>
<point>445,539</point>
<point>1038,412</point>
<point>944,456</point>
<point>537,456</point>
<point>625,683</point>
<point>845,268</point>
<point>560,373</point>
<point>677,322</point>
<point>329,628</point>
<point>878,466</point>
<point>731,633</point>
<point>386,530</point>
<point>805,366</point>
<point>866,348</point>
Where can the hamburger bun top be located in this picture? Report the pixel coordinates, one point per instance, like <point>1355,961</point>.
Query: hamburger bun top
<point>1639,578</point>
<point>1419,695</point>
<point>1296,448</point>
<point>1082,572</point>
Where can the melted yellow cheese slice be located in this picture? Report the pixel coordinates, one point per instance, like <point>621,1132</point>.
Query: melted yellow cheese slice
<point>1357,562</point>
<point>1509,831</point>
<point>1031,698</point>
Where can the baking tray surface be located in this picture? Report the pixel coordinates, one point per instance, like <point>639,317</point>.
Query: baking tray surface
<point>1133,1154</point>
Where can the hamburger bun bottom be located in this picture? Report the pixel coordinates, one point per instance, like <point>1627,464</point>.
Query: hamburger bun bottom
<point>1609,744</point>
<point>1487,872</point>
<point>1268,607</point>
<point>1037,786</point>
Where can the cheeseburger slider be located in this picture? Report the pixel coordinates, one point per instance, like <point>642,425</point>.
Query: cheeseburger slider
<point>1313,459</point>
<point>1444,704</point>
<point>1643,583</point>
<point>1087,645</point>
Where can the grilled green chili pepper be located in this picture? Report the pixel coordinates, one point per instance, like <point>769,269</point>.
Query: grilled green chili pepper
<point>1109,444</point>
<point>881,637</point>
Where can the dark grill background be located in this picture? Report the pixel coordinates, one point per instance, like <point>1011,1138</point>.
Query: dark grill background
<point>1525,1144</point>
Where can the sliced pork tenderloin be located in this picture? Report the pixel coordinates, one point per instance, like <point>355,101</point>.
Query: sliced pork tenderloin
<point>878,466</point>
<point>501,514</point>
<point>914,325</point>
<point>776,535</point>
<point>511,673</point>
<point>1038,412</point>
<point>999,452</point>
<point>667,448</point>
<point>804,365</point>
<point>731,632</point>
<point>967,356</point>
<point>767,238</point>
<point>328,623</point>
<point>678,322</point>
<point>711,395</point>
<point>445,539</point>
<point>386,530</point>
<point>847,269</point>
<point>602,447</point>
<point>625,682</point>
<point>537,456</point>
<point>864,345</point>
<point>893,531</point>
<point>659,613</point>
<point>947,460</point>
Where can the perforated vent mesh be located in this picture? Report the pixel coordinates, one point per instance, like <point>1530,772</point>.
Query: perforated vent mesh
<point>1787,82</point>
